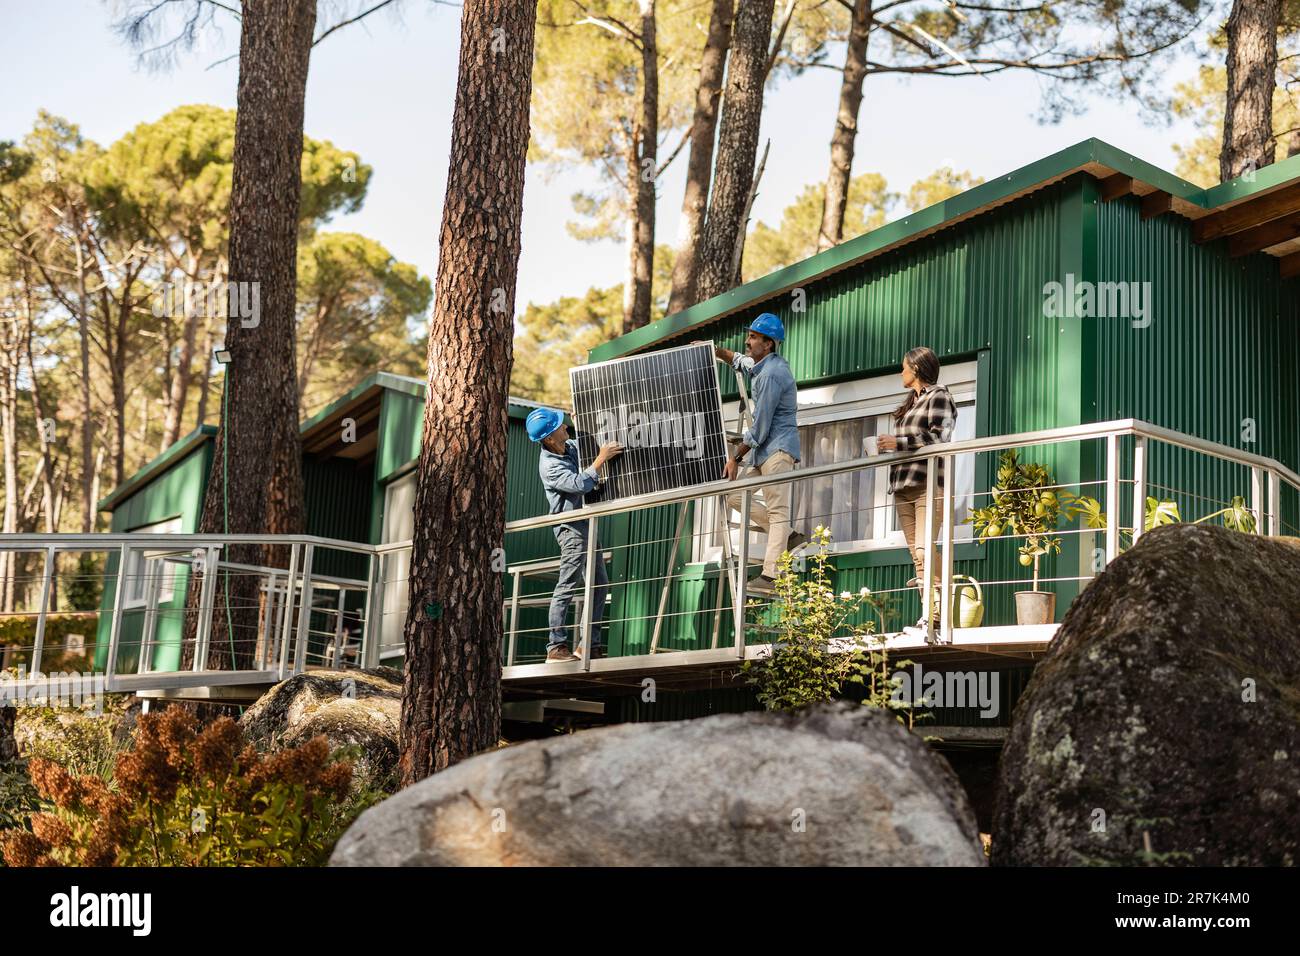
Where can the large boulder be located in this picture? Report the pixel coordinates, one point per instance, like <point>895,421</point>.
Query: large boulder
<point>353,708</point>
<point>1163,724</point>
<point>839,785</point>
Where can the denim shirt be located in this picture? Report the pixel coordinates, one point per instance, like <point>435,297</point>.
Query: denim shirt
<point>772,387</point>
<point>565,484</point>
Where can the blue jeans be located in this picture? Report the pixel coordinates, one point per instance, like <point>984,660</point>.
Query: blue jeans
<point>573,562</point>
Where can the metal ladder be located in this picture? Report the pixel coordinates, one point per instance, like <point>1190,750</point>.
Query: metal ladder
<point>728,563</point>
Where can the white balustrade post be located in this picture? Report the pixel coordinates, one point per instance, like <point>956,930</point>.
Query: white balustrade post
<point>1139,487</point>
<point>946,605</point>
<point>46,577</point>
<point>925,531</point>
<point>742,574</point>
<point>1112,498</point>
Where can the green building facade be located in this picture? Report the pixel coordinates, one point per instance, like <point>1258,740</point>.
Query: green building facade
<point>359,458</point>
<point>1208,344</point>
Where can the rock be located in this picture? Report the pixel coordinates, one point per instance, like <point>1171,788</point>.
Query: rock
<point>1167,705</point>
<point>836,785</point>
<point>360,708</point>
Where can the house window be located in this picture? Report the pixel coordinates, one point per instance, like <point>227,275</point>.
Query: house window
<point>834,422</point>
<point>399,525</point>
<point>142,565</point>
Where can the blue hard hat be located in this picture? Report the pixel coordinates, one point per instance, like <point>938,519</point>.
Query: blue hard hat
<point>769,325</point>
<point>542,421</point>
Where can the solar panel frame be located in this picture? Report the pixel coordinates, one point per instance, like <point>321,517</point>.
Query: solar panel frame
<point>680,381</point>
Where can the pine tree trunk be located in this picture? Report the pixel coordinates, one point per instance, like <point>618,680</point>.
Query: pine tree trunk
<point>699,167</point>
<point>220,274</point>
<point>258,445</point>
<point>742,112</point>
<point>116,356</point>
<point>642,177</point>
<point>179,389</point>
<point>205,363</point>
<point>1248,141</point>
<point>846,128</point>
<point>451,701</point>
<point>87,421</point>
<point>9,439</point>
<point>631,210</point>
<point>38,414</point>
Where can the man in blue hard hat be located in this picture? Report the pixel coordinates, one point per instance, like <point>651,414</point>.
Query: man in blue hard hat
<point>565,485</point>
<point>773,439</point>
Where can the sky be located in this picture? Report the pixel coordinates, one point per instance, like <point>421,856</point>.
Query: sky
<point>385,88</point>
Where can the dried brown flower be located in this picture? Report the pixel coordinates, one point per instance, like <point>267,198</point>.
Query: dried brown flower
<point>145,773</point>
<point>215,749</point>
<point>54,783</point>
<point>50,829</point>
<point>21,848</point>
<point>100,850</point>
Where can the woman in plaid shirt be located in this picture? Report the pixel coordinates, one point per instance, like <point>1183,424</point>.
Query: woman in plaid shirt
<point>926,416</point>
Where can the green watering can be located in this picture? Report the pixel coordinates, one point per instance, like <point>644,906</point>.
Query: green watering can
<point>968,601</point>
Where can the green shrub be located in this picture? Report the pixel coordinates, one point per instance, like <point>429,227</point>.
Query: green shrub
<point>19,632</point>
<point>821,642</point>
<point>80,741</point>
<point>18,798</point>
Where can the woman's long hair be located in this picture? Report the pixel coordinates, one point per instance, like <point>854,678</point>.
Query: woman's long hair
<point>925,364</point>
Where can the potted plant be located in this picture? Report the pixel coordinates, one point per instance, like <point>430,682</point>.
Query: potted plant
<point>1024,502</point>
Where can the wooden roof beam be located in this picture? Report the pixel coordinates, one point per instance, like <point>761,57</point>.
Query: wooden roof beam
<point>326,438</point>
<point>1260,237</point>
<point>1156,204</point>
<point>336,445</point>
<point>1289,266</point>
<point>1113,187</point>
<point>1247,214</point>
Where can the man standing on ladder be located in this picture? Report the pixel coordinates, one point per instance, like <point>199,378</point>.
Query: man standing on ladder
<point>565,487</point>
<point>772,437</point>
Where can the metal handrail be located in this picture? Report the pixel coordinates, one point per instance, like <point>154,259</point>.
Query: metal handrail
<point>95,542</point>
<point>1048,436</point>
<point>297,581</point>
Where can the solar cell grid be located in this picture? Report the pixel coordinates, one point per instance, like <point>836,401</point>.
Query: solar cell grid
<point>663,407</point>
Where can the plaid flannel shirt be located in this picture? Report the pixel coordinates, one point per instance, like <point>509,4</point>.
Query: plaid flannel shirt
<point>930,420</point>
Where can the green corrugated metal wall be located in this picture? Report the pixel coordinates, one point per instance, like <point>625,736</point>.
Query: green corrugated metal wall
<point>1222,346</point>
<point>337,495</point>
<point>975,288</point>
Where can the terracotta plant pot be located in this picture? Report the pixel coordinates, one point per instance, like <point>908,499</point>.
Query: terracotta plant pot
<point>1035,607</point>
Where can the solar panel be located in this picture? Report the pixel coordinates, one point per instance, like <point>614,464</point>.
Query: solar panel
<point>663,407</point>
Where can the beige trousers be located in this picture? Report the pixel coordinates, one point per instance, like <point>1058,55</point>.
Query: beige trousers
<point>910,504</point>
<point>772,514</point>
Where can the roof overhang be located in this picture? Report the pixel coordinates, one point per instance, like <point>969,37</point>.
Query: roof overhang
<point>168,459</point>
